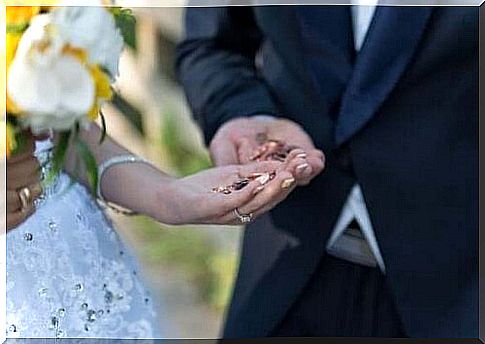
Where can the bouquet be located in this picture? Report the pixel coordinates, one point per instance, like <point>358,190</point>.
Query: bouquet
<point>61,63</point>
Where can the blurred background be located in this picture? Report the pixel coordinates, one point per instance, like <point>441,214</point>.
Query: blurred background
<point>190,269</point>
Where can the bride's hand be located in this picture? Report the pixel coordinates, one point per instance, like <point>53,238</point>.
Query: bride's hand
<point>190,200</point>
<point>23,181</point>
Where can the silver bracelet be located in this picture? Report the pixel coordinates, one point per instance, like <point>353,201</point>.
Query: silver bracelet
<point>117,160</point>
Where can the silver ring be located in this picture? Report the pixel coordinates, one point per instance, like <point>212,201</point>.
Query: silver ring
<point>244,218</point>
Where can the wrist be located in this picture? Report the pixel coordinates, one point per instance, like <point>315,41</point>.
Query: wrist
<point>165,207</point>
<point>131,185</point>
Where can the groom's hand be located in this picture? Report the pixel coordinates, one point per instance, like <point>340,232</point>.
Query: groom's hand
<point>236,141</point>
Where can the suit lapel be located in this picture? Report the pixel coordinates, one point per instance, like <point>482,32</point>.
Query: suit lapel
<point>391,41</point>
<point>328,49</point>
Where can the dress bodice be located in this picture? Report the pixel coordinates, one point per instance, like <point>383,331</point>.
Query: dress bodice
<point>69,274</point>
<point>43,152</point>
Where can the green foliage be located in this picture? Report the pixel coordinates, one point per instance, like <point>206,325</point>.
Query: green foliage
<point>90,165</point>
<point>59,155</point>
<point>189,250</point>
<point>16,28</point>
<point>126,22</point>
<point>19,135</point>
<point>223,266</point>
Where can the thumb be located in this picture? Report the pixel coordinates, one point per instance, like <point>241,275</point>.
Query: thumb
<point>223,152</point>
<point>245,149</point>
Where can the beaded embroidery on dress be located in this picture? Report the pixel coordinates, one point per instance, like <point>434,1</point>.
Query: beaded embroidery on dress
<point>69,274</point>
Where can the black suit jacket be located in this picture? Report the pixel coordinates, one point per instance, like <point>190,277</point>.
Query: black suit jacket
<point>400,118</point>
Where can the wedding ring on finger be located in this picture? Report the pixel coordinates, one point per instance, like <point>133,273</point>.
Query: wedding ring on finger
<point>244,218</point>
<point>25,196</point>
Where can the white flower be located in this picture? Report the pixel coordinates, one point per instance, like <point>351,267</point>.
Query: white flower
<point>53,90</point>
<point>93,29</point>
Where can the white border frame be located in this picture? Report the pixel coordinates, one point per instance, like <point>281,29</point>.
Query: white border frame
<point>3,183</point>
<point>152,3</point>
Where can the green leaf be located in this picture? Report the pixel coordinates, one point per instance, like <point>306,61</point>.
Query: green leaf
<point>126,22</point>
<point>21,141</point>
<point>59,155</point>
<point>89,163</point>
<point>17,28</point>
<point>103,127</point>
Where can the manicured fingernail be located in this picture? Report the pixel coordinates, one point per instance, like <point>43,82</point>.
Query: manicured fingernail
<point>287,183</point>
<point>302,156</point>
<point>302,167</point>
<point>258,190</point>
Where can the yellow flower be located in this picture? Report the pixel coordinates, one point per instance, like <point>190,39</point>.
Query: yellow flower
<point>78,53</point>
<point>100,78</point>
<point>12,109</point>
<point>40,3</point>
<point>103,90</point>
<point>12,41</point>
<point>20,15</point>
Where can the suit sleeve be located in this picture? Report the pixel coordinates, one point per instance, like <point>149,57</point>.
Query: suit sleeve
<point>216,66</point>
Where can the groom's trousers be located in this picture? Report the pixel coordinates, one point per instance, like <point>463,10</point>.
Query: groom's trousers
<point>343,299</point>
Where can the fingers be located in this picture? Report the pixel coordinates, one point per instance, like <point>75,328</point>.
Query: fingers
<point>43,136</point>
<point>245,171</point>
<point>273,193</point>
<point>13,199</point>
<point>295,170</point>
<point>316,160</point>
<point>245,149</point>
<point>17,218</point>
<point>22,173</point>
<point>298,169</point>
<point>220,204</point>
<point>304,165</point>
<point>23,170</point>
<point>297,164</point>
<point>27,150</point>
<point>235,140</point>
<point>223,152</point>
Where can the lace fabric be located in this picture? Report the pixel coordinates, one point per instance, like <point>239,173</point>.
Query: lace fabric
<point>69,274</point>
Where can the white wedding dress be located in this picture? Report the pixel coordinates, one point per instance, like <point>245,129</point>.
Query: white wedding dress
<point>68,273</point>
